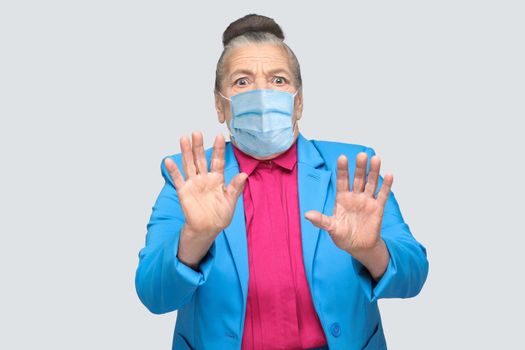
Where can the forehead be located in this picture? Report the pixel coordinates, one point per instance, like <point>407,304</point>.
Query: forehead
<point>255,56</point>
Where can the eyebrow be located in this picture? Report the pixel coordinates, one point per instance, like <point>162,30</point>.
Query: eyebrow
<point>249,72</point>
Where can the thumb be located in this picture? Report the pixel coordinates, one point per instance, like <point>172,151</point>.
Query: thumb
<point>236,186</point>
<point>319,219</point>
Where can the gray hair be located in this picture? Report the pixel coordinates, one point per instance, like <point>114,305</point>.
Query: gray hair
<point>256,38</point>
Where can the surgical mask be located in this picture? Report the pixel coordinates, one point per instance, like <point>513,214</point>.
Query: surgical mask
<point>261,121</point>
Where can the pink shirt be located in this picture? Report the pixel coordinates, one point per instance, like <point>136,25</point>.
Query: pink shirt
<point>279,312</point>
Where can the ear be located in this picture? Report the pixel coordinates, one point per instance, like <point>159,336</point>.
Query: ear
<point>299,104</point>
<point>219,107</point>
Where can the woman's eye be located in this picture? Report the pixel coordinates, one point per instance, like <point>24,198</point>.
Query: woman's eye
<point>241,81</point>
<point>279,80</point>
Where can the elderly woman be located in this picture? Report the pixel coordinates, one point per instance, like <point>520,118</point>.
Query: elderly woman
<point>264,242</point>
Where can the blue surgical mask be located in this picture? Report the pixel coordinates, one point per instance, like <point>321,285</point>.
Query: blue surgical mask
<point>261,121</point>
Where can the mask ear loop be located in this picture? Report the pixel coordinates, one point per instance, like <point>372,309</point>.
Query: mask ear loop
<point>294,108</point>
<point>229,99</point>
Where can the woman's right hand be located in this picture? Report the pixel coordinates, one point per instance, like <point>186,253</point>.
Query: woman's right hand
<point>207,203</point>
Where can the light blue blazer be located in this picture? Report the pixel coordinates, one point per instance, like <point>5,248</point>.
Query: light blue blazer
<point>211,302</point>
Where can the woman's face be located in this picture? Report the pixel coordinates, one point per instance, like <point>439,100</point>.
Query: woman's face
<point>257,66</point>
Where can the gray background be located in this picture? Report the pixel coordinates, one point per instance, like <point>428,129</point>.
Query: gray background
<point>93,94</point>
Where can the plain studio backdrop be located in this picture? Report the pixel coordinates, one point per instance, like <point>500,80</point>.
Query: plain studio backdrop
<point>93,94</point>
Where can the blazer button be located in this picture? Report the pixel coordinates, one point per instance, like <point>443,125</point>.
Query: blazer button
<point>335,329</point>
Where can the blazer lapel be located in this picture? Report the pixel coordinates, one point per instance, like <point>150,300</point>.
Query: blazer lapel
<point>236,231</point>
<point>313,183</point>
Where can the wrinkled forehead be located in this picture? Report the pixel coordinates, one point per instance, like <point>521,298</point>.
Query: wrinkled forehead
<point>258,58</point>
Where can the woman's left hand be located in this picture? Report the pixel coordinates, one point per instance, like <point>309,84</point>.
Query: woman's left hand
<point>355,224</point>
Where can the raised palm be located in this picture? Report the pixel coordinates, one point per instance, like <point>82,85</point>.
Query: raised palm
<point>355,224</point>
<point>207,203</point>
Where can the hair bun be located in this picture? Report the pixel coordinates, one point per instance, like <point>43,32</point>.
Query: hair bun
<point>251,23</point>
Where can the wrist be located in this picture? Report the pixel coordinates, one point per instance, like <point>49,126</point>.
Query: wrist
<point>193,246</point>
<point>375,259</point>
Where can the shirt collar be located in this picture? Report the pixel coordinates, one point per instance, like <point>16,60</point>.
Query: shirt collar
<point>247,163</point>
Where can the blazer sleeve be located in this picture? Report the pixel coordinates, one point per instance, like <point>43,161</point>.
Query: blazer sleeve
<point>163,283</point>
<point>408,265</point>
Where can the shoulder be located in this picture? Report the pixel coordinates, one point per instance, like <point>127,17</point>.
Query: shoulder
<point>331,150</point>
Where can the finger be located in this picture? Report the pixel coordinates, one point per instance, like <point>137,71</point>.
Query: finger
<point>319,219</point>
<point>199,157</point>
<point>174,172</point>
<point>360,172</point>
<point>384,192</point>
<point>343,179</point>
<point>187,158</point>
<point>217,158</point>
<point>373,176</point>
<point>236,186</point>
